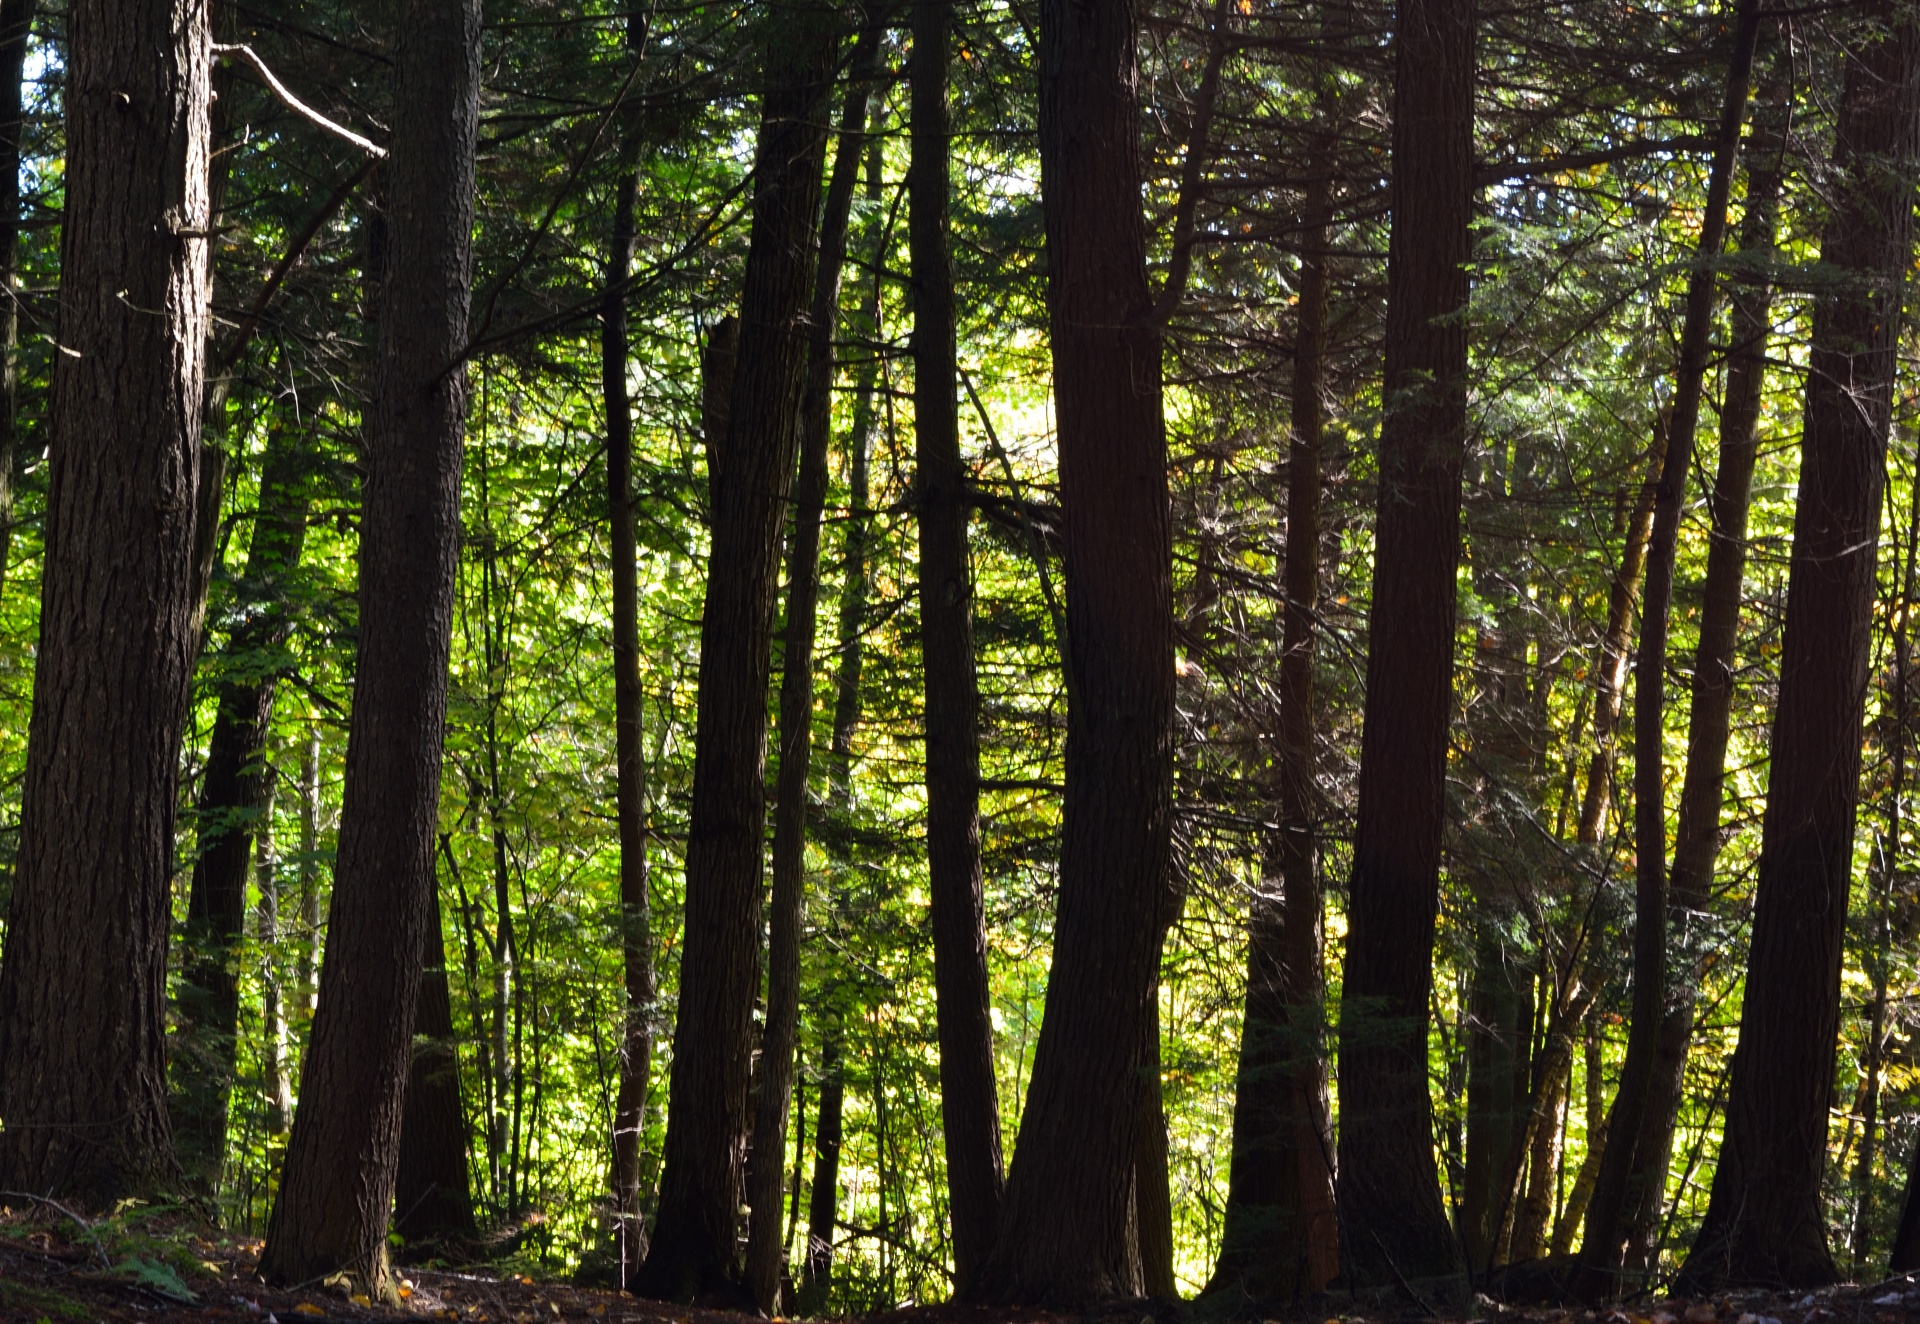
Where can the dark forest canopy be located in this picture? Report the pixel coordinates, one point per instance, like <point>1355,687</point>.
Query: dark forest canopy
<point>1031,650</point>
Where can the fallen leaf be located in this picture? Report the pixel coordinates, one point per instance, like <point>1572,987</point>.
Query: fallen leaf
<point>308,1308</point>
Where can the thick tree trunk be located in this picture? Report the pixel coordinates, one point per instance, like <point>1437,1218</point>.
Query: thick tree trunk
<point>1619,1186</point>
<point>336,1190</point>
<point>82,1055</point>
<point>235,790</point>
<point>629,708</point>
<point>1765,1223</point>
<point>16,25</point>
<point>694,1247</point>
<point>432,1200</point>
<point>970,1111</point>
<point>1281,1239</point>
<point>1064,1232</point>
<point>773,1086</point>
<point>1389,1190</point>
<point>1697,838</point>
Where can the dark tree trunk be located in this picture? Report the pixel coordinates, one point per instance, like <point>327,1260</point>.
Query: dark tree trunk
<point>432,1201</point>
<point>1389,1191</point>
<point>629,706</point>
<point>1281,1240</point>
<point>773,1087</point>
<point>1152,1191</point>
<point>1619,1185</point>
<point>1697,838</point>
<point>1064,1233</point>
<point>336,1188</point>
<point>823,1208</point>
<point>1498,1039</point>
<point>234,793</point>
<point>16,25</point>
<point>970,1111</point>
<point>82,1053</point>
<point>1765,1223</point>
<point>694,1246</point>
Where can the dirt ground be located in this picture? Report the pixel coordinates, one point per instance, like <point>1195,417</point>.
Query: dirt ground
<point>58,1269</point>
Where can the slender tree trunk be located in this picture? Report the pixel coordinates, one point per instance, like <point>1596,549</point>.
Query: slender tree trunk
<point>311,941</point>
<point>16,25</point>
<point>629,707</point>
<point>1697,836</point>
<point>1621,1180</point>
<point>773,1089</point>
<point>1567,1226</point>
<point>1152,1190</point>
<point>1765,1223</point>
<point>235,791</point>
<point>336,1190</point>
<point>432,1201</point>
<point>1281,1238</point>
<point>82,1052</point>
<point>1064,1233</point>
<point>1496,1035</point>
<point>693,1249</point>
<point>970,1111</point>
<point>1905,1251</point>
<point>273,1008</point>
<point>823,1206</point>
<point>1389,1191</point>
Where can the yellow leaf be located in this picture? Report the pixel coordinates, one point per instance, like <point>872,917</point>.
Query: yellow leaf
<point>361,1299</point>
<point>308,1308</point>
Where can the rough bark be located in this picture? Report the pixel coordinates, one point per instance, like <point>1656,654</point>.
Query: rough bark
<point>336,1190</point>
<point>694,1247</point>
<point>235,791</point>
<point>1389,1192</point>
<point>970,1112</point>
<point>1620,1182</point>
<point>432,1200</point>
<point>1696,844</point>
<point>83,1080</point>
<point>773,1084</point>
<point>1281,1239</point>
<point>1064,1232</point>
<point>1765,1224</point>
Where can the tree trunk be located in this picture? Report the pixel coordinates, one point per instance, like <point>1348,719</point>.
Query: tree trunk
<point>235,791</point>
<point>275,1079</point>
<point>1697,837</point>
<point>823,1208</point>
<point>970,1110</point>
<point>336,1190</point>
<point>1622,1181</point>
<point>1064,1232</point>
<point>308,973</point>
<point>16,25</point>
<point>83,1080</point>
<point>1765,1223</point>
<point>773,1087</point>
<point>1281,1239</point>
<point>1389,1191</point>
<point>694,1248</point>
<point>1152,1193</point>
<point>629,707</point>
<point>1498,1035</point>
<point>432,1201</point>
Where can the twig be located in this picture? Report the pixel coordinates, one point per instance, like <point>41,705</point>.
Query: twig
<point>295,104</point>
<point>82,1223</point>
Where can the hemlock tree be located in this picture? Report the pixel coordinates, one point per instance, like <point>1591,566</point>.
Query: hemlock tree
<point>336,1188</point>
<point>82,1057</point>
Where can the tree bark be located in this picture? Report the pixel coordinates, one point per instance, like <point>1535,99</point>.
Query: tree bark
<point>1765,1223</point>
<point>234,794</point>
<point>970,1110</point>
<point>693,1250</point>
<point>82,1052</point>
<point>773,1086</point>
<point>1281,1239</point>
<point>277,1082</point>
<point>629,708</point>
<point>1621,1179</point>
<point>1697,837</point>
<point>1389,1192</point>
<point>1064,1232</point>
<point>336,1191</point>
<point>432,1200</point>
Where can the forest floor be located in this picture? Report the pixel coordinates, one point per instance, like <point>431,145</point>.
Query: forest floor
<point>56,1268</point>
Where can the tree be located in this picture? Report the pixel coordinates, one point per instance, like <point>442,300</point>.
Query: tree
<point>336,1192</point>
<point>1764,1223</point>
<point>1064,1223</point>
<point>969,1111</point>
<point>432,1201</point>
<point>1389,1193</point>
<point>83,1085</point>
<point>693,1251</point>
